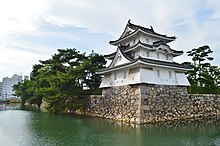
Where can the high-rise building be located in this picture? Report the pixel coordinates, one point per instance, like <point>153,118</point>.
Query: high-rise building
<point>26,78</point>
<point>1,83</point>
<point>7,85</point>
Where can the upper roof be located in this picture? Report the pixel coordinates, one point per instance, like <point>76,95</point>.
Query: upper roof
<point>149,30</point>
<point>128,48</point>
<point>136,29</point>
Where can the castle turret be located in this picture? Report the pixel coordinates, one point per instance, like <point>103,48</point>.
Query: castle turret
<point>143,56</point>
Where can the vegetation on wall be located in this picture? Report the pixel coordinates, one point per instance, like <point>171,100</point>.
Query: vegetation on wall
<point>63,81</point>
<point>204,78</point>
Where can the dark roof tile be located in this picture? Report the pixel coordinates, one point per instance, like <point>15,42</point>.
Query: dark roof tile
<point>149,30</point>
<point>165,63</point>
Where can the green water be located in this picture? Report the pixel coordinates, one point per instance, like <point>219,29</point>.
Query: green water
<point>28,128</point>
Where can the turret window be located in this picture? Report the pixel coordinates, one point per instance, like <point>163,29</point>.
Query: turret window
<point>167,57</point>
<point>170,74</point>
<point>147,53</point>
<point>158,73</point>
<point>115,76</point>
<point>125,74</point>
<point>147,40</point>
<point>133,54</point>
<point>119,57</point>
<point>158,55</point>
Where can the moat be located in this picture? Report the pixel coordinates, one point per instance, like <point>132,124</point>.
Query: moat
<point>26,128</point>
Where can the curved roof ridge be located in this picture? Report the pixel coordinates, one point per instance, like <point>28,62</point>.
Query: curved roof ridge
<point>135,27</point>
<point>144,44</point>
<point>108,56</point>
<point>151,30</point>
<point>124,37</point>
<point>139,43</point>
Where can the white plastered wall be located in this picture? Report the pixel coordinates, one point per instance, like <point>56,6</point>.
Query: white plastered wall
<point>181,79</point>
<point>147,76</point>
<point>165,76</point>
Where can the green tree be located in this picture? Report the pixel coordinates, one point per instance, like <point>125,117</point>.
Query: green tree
<point>61,80</point>
<point>93,63</point>
<point>24,90</point>
<point>204,77</point>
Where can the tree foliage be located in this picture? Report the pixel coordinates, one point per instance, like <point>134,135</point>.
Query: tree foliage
<point>63,81</point>
<point>204,77</point>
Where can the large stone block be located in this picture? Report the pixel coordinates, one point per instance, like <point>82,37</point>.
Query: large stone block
<point>151,103</point>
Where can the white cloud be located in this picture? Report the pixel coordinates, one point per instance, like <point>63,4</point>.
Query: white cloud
<point>20,15</point>
<point>32,30</point>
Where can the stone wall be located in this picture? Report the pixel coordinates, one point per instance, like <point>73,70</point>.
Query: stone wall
<point>152,103</point>
<point>168,103</point>
<point>119,103</point>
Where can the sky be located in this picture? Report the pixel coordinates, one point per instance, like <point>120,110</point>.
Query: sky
<point>33,30</point>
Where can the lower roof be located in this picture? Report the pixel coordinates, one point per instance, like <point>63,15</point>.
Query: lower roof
<point>148,62</point>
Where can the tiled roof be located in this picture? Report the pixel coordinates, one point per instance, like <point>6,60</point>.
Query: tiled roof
<point>122,48</point>
<point>151,62</point>
<point>136,28</point>
<point>164,63</point>
<point>109,56</point>
<point>115,67</point>
<point>126,55</point>
<point>158,43</point>
<point>149,30</point>
<point>155,44</point>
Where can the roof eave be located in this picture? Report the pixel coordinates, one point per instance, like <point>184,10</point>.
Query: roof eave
<point>138,45</point>
<point>160,36</point>
<point>177,54</point>
<point>107,70</point>
<point>139,61</point>
<point>166,66</point>
<point>116,42</point>
<point>110,56</point>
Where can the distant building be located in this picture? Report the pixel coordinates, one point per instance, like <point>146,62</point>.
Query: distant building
<point>26,77</point>
<point>6,87</point>
<point>1,83</point>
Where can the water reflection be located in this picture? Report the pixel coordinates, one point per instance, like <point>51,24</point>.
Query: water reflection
<point>2,106</point>
<point>80,131</point>
<point>35,128</point>
<point>11,106</point>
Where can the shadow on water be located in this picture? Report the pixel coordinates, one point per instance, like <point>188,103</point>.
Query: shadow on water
<point>198,132</point>
<point>89,131</point>
<point>82,131</point>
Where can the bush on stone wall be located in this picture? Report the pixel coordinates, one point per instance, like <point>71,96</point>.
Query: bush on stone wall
<point>203,90</point>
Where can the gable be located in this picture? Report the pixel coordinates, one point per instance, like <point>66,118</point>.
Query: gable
<point>126,31</point>
<point>164,48</point>
<point>119,59</point>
